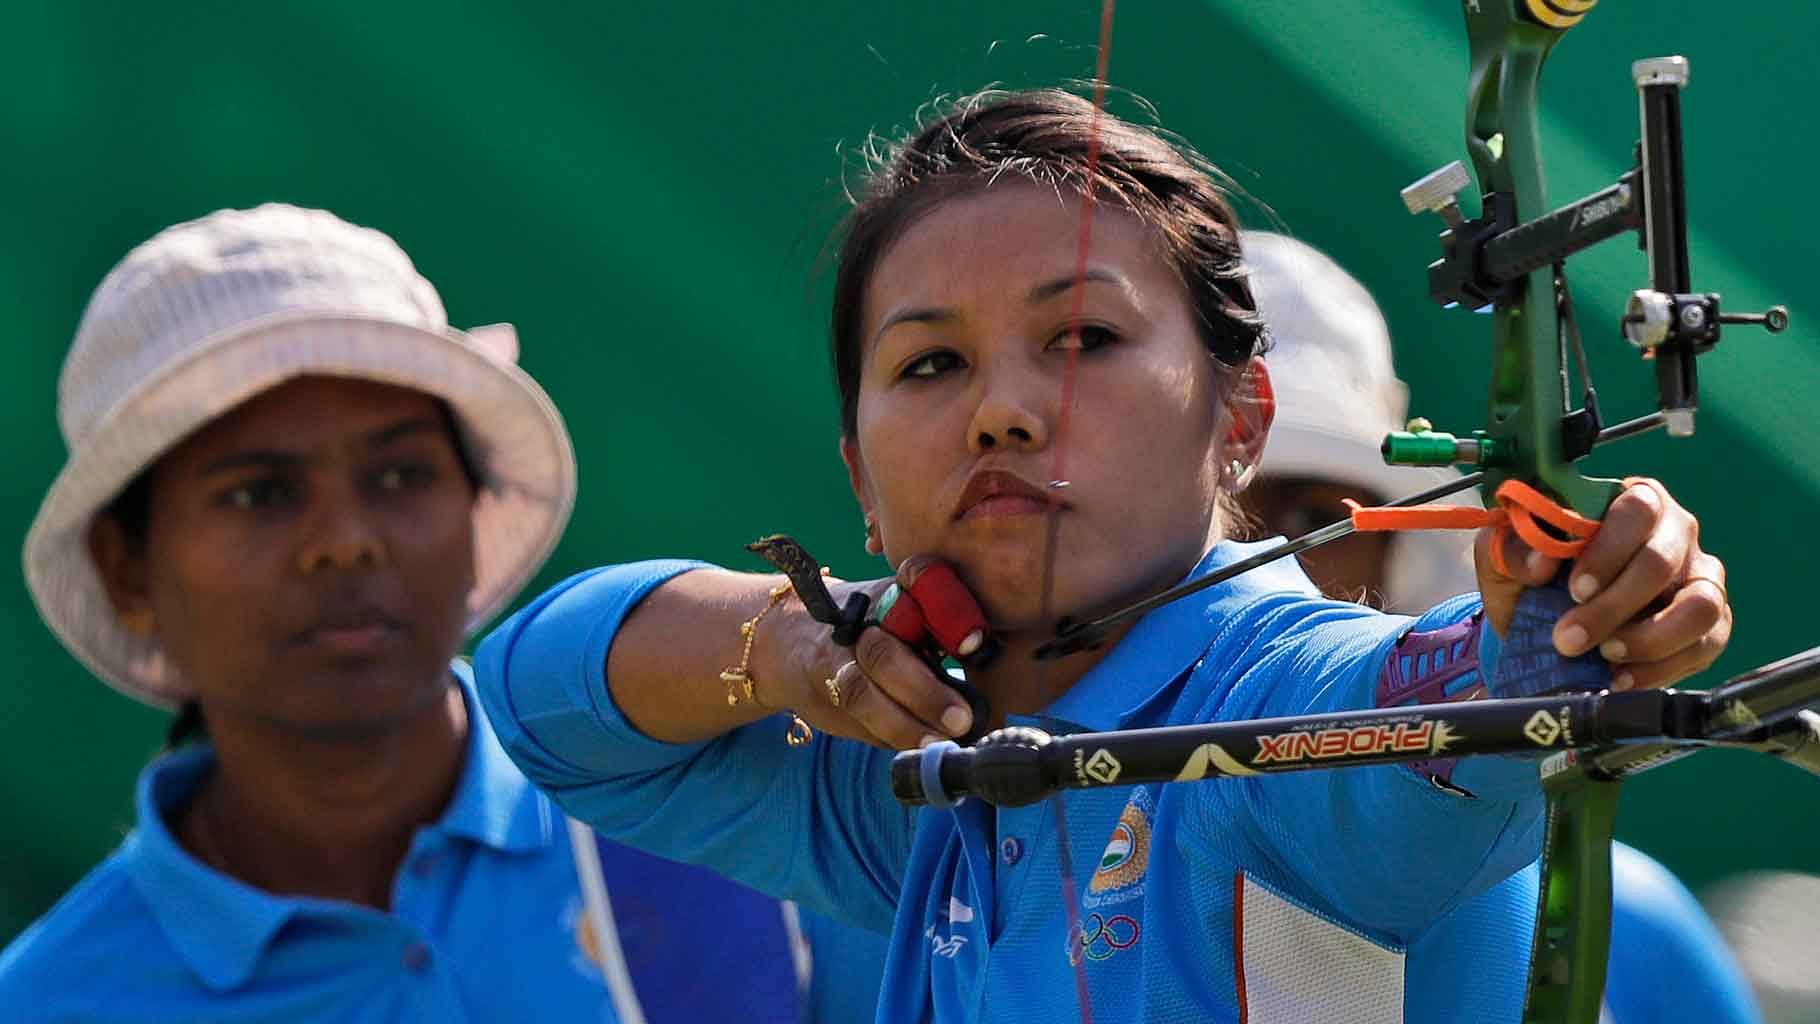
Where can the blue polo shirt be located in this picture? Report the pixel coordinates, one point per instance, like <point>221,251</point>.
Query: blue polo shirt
<point>487,924</point>
<point>1279,898</point>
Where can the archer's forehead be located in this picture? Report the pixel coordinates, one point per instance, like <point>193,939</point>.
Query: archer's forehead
<point>1013,246</point>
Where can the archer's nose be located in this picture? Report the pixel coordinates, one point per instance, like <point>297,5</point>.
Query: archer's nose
<point>1012,413</point>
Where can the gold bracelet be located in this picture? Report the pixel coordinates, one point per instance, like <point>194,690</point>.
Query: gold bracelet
<point>739,677</point>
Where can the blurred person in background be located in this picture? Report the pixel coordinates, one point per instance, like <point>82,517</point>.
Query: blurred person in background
<point>1668,963</point>
<point>1772,921</point>
<point>292,491</point>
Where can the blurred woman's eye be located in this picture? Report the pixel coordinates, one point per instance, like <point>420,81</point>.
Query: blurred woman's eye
<point>931,364</point>
<point>1299,519</point>
<point>264,492</point>
<point>404,476</point>
<point>1086,338</point>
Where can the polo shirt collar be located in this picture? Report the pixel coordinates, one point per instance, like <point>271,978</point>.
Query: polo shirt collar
<point>494,804</point>
<point>221,926</point>
<point>1151,662</point>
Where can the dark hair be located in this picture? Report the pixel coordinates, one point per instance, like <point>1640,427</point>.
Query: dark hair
<point>1048,136</point>
<point>132,510</point>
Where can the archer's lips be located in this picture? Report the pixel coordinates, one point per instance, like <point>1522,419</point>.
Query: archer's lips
<point>997,494</point>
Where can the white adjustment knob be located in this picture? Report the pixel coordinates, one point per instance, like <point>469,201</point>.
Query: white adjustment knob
<point>1646,318</point>
<point>1438,192</point>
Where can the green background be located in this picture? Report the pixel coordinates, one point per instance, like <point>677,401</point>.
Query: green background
<point>645,190</point>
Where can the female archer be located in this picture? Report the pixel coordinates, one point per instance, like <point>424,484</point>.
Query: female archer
<point>1029,294</point>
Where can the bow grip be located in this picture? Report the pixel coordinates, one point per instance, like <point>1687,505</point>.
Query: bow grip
<point>1528,664</point>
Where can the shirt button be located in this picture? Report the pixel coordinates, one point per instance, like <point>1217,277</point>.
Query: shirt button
<point>1011,848</point>
<point>416,957</point>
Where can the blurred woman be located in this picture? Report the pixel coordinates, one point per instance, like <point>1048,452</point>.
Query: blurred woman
<point>292,491</point>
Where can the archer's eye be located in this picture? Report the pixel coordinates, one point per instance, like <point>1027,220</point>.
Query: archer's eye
<point>931,364</point>
<point>1086,338</point>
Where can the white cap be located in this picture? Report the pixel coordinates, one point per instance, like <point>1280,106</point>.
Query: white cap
<point>1337,395</point>
<point>210,313</point>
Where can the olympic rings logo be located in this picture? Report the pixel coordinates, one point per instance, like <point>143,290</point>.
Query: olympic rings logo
<point>1103,936</point>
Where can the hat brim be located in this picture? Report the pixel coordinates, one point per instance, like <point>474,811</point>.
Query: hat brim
<point>510,427</point>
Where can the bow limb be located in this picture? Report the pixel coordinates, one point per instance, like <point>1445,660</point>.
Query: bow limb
<point>1528,399</point>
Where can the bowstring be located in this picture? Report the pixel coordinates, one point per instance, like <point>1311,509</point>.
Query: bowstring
<point>1058,481</point>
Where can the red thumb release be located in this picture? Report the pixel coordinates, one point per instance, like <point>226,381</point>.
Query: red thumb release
<point>953,617</point>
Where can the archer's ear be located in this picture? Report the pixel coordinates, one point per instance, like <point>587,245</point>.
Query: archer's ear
<point>862,492</point>
<point>856,473</point>
<point>1251,407</point>
<point>121,564</point>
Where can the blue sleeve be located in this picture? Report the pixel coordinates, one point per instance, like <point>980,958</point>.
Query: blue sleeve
<point>1381,847</point>
<point>815,824</point>
<point>1668,962</point>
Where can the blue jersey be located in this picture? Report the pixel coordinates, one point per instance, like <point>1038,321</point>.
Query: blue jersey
<point>1283,898</point>
<point>487,924</point>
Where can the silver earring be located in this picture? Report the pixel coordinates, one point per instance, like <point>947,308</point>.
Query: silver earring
<point>1235,469</point>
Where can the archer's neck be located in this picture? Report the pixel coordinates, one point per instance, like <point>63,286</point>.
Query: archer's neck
<point>328,818</point>
<point>1018,684</point>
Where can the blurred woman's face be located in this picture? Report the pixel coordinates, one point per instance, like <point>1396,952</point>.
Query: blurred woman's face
<point>308,557</point>
<point>1352,568</point>
<point>966,330</point>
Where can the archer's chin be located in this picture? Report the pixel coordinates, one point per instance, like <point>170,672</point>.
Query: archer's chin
<point>1005,578</point>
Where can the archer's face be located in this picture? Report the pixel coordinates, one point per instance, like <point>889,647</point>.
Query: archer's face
<point>308,557</point>
<point>966,329</point>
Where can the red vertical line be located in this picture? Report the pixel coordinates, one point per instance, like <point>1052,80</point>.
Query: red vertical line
<point>1238,942</point>
<point>1058,479</point>
<point>1071,901</point>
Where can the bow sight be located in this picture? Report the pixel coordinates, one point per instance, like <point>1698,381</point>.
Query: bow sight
<point>1493,260</point>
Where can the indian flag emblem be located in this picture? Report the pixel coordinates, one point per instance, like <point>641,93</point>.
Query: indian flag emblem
<point>1118,851</point>
<point>1120,875</point>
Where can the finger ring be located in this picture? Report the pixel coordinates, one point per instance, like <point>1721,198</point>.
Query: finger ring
<point>832,683</point>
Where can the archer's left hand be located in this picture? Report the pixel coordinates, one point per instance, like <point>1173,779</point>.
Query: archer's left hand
<point>1648,597</point>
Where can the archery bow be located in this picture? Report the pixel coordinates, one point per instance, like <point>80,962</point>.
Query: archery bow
<point>1510,260</point>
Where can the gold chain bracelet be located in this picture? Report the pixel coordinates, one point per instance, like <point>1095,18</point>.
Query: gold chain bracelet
<point>739,677</point>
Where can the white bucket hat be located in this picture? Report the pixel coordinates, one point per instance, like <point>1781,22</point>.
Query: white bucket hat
<point>1337,395</point>
<point>210,313</point>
